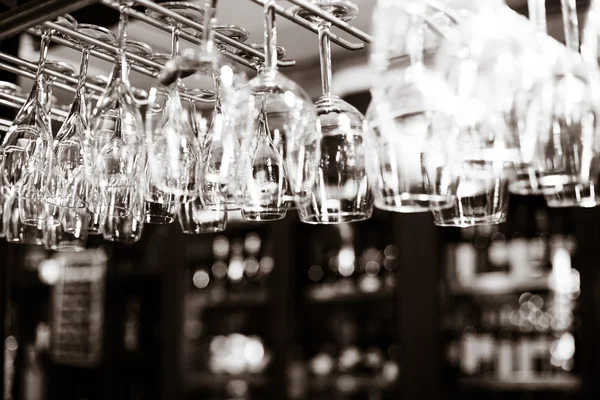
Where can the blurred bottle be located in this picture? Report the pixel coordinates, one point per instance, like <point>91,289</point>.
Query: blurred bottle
<point>34,377</point>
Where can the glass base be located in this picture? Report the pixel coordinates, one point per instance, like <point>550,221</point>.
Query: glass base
<point>524,188</point>
<point>334,218</point>
<point>414,203</point>
<point>25,240</point>
<point>203,230</point>
<point>526,181</point>
<point>493,219</point>
<point>124,240</point>
<point>264,215</point>
<point>66,247</point>
<point>158,219</point>
<point>159,213</point>
<point>572,195</point>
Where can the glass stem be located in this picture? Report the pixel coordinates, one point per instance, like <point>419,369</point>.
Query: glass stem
<point>325,57</point>
<point>79,102</point>
<point>43,92</point>
<point>270,37</point>
<point>174,41</point>
<point>210,8</point>
<point>83,69</point>
<point>570,23</point>
<point>121,55</point>
<point>416,44</point>
<point>537,15</point>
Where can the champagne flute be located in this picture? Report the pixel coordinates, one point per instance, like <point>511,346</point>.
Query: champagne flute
<point>340,191</point>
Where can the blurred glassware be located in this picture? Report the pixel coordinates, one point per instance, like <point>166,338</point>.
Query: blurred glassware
<point>340,190</point>
<point>410,169</point>
<point>68,178</point>
<point>486,61</point>
<point>567,149</point>
<point>230,119</point>
<point>71,232</point>
<point>26,147</point>
<point>284,137</point>
<point>114,156</point>
<point>125,225</point>
<point>37,180</point>
<point>15,231</point>
<point>173,149</point>
<point>263,174</point>
<point>196,218</point>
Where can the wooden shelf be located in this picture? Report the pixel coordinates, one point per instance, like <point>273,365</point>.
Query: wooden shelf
<point>500,283</point>
<point>559,382</point>
<point>355,296</point>
<point>207,380</point>
<point>234,301</point>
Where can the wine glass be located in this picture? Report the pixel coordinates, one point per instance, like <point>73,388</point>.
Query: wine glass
<point>486,62</point>
<point>203,70</point>
<point>409,167</point>
<point>38,177</point>
<point>27,141</point>
<point>114,156</point>
<point>341,191</point>
<point>566,152</point>
<point>68,179</point>
<point>15,231</point>
<point>256,61</point>
<point>10,89</point>
<point>170,181</point>
<point>285,128</point>
<point>208,211</point>
<point>173,149</point>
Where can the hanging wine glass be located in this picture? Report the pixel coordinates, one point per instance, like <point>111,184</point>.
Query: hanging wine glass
<point>486,61</point>
<point>173,149</point>
<point>15,231</point>
<point>203,69</point>
<point>567,141</point>
<point>208,211</point>
<point>68,145</point>
<point>285,128</point>
<point>71,231</point>
<point>69,187</point>
<point>221,147</point>
<point>126,227</point>
<point>409,168</point>
<point>27,141</point>
<point>38,176</point>
<point>341,191</point>
<point>114,155</point>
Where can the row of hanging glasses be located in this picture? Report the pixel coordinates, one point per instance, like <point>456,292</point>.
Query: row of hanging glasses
<point>471,101</point>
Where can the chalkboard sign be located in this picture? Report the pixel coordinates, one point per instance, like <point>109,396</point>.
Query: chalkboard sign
<point>78,308</point>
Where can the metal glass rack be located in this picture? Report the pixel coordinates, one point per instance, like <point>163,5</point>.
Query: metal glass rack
<point>23,18</point>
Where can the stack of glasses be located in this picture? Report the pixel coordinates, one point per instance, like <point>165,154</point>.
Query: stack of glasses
<point>471,101</point>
